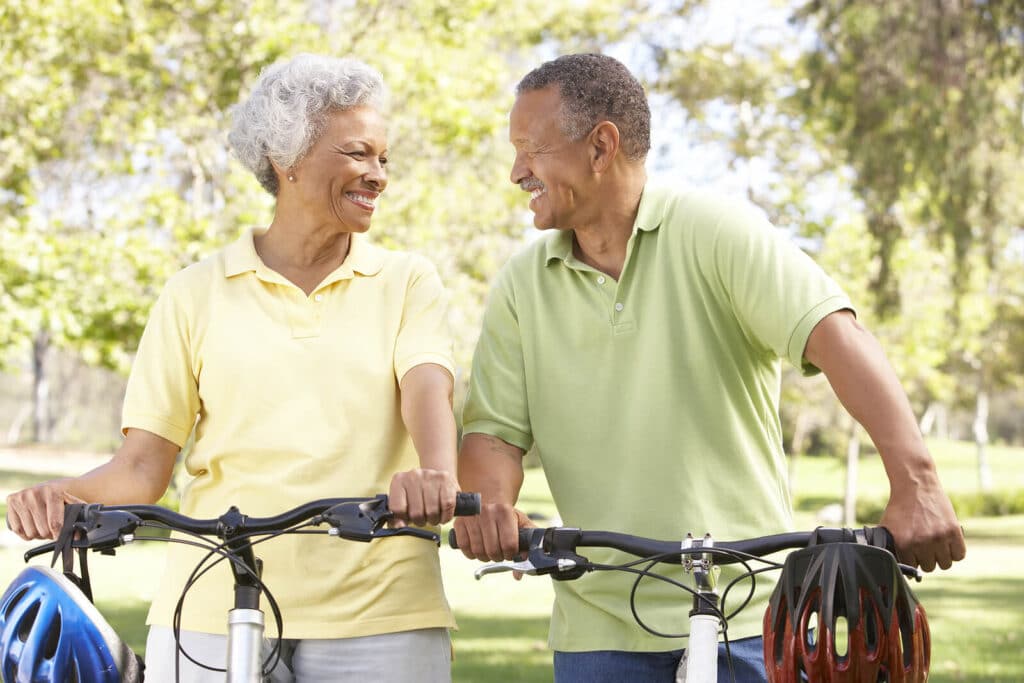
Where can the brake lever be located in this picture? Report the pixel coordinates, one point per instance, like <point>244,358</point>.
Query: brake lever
<point>911,572</point>
<point>406,531</point>
<point>356,522</point>
<point>523,567</point>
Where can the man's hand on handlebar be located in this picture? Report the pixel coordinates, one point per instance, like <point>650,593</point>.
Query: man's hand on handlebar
<point>493,535</point>
<point>38,511</point>
<point>924,527</point>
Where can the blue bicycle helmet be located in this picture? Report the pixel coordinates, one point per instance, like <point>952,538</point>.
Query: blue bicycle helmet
<point>50,633</point>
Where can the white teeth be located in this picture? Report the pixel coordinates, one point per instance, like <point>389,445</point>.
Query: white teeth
<point>361,198</point>
<point>536,193</point>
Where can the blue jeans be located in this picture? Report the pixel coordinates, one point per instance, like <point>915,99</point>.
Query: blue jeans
<point>614,666</point>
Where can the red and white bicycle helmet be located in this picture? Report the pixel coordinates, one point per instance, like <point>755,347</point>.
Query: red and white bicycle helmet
<point>51,633</point>
<point>885,635</point>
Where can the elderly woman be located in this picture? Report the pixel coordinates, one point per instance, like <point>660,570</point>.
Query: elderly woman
<point>309,364</point>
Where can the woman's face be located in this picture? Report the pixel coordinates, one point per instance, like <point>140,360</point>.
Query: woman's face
<point>343,173</point>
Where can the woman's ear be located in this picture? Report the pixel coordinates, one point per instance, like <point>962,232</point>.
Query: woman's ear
<point>604,145</point>
<point>283,173</point>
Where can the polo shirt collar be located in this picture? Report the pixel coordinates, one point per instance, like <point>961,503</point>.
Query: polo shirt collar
<point>648,218</point>
<point>241,257</point>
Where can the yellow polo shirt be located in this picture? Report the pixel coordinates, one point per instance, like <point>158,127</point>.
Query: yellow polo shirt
<point>294,398</point>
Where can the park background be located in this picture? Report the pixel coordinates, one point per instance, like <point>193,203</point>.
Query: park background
<point>884,137</point>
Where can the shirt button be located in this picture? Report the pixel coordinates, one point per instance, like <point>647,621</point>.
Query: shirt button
<point>619,307</point>
<point>318,297</point>
<point>600,279</point>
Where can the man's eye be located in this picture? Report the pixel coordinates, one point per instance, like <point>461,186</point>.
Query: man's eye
<point>383,161</point>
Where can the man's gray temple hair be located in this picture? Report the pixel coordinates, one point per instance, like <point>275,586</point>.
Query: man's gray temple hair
<point>288,108</point>
<point>597,88</point>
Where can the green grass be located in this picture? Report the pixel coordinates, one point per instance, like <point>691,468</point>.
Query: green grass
<point>976,610</point>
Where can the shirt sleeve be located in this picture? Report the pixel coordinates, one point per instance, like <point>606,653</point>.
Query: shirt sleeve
<point>779,294</point>
<point>162,396</point>
<point>424,335</point>
<point>496,403</point>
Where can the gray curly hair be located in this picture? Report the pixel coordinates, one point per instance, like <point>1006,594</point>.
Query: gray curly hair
<point>596,88</point>
<point>287,110</point>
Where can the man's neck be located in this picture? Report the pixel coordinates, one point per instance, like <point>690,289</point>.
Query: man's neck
<point>601,243</point>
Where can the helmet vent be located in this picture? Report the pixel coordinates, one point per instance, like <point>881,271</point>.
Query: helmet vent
<point>871,628</point>
<point>780,626</point>
<point>841,637</point>
<point>812,629</point>
<point>52,637</point>
<point>14,600</point>
<point>25,627</point>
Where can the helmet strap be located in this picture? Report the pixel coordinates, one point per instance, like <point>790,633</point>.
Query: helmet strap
<point>63,548</point>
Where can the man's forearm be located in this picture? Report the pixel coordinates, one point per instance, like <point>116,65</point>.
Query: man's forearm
<point>491,466</point>
<point>867,386</point>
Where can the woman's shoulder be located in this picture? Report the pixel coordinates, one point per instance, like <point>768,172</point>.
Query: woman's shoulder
<point>198,278</point>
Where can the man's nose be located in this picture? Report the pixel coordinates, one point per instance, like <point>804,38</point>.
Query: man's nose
<point>520,172</point>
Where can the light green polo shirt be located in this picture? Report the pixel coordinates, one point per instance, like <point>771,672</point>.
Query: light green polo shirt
<point>652,401</point>
<point>293,398</point>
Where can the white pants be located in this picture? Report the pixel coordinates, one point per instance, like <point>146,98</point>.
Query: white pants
<point>422,655</point>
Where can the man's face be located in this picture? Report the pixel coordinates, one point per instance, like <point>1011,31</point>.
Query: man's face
<point>553,169</point>
<point>343,173</point>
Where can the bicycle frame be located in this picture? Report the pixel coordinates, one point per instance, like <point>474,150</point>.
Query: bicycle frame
<point>101,528</point>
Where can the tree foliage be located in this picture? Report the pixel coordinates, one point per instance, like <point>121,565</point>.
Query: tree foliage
<point>921,98</point>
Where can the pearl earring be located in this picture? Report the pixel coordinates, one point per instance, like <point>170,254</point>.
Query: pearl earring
<point>291,178</point>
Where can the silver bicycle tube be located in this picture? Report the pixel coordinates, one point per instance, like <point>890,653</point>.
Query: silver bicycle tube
<point>245,642</point>
<point>700,661</point>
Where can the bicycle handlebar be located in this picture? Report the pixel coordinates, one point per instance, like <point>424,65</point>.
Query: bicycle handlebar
<point>555,539</point>
<point>552,550</point>
<point>104,527</point>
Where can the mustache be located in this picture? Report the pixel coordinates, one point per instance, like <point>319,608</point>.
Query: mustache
<point>531,185</point>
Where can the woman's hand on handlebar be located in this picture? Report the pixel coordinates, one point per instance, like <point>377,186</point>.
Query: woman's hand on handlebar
<point>38,511</point>
<point>422,496</point>
<point>493,535</point>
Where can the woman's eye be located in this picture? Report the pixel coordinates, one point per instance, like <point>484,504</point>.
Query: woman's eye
<point>383,161</point>
<point>356,155</point>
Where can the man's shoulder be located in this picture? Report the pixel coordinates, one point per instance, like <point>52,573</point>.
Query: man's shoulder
<point>701,206</point>
<point>534,255</point>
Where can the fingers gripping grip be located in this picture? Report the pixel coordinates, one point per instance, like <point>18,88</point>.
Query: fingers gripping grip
<point>525,538</point>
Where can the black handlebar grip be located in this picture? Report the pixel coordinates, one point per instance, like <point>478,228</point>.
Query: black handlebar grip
<point>881,537</point>
<point>467,504</point>
<point>525,538</point>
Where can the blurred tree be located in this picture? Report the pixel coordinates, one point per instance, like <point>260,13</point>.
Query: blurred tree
<point>892,130</point>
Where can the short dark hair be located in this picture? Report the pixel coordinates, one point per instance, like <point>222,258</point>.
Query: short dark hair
<point>594,88</point>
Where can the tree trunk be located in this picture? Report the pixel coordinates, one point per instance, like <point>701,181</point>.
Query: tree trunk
<point>981,440</point>
<point>40,387</point>
<point>796,448</point>
<point>852,461</point>
<point>14,431</point>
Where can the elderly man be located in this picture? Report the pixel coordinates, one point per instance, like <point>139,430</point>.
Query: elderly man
<point>637,346</point>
